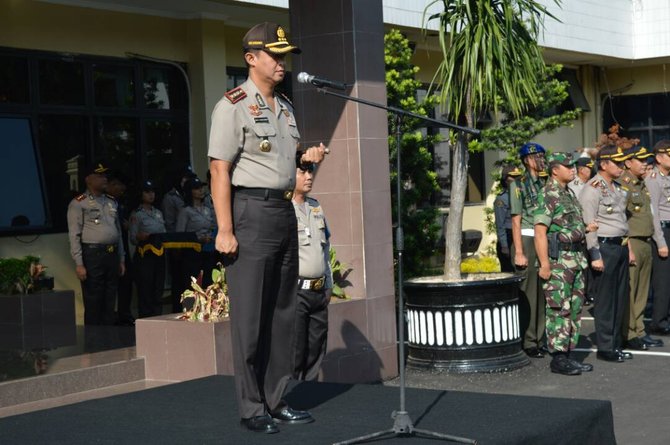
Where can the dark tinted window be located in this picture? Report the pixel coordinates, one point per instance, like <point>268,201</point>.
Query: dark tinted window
<point>14,80</point>
<point>114,86</point>
<point>20,184</point>
<point>61,82</point>
<point>163,89</point>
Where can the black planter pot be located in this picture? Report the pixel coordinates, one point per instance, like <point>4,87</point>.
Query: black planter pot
<point>464,326</point>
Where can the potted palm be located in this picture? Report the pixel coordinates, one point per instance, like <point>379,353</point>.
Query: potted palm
<point>467,323</point>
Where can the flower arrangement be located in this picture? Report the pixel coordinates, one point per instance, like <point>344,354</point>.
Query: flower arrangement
<point>23,275</point>
<point>209,304</point>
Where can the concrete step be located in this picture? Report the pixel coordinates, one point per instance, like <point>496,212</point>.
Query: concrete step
<point>76,374</point>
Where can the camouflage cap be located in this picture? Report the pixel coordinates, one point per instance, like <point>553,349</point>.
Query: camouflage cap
<point>268,37</point>
<point>565,159</point>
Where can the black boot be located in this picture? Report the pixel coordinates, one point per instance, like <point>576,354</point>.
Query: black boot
<point>561,364</point>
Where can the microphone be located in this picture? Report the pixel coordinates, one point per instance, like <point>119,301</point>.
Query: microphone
<point>318,82</point>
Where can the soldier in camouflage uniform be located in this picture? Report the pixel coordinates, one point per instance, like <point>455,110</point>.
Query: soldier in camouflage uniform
<point>559,241</point>
<point>523,202</point>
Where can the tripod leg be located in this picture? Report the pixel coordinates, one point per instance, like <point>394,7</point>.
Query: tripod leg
<point>365,438</point>
<point>433,435</point>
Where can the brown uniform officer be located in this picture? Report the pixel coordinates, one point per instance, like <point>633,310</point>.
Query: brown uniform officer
<point>640,231</point>
<point>253,147</point>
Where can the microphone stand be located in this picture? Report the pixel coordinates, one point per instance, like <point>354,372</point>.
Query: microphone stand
<point>402,422</point>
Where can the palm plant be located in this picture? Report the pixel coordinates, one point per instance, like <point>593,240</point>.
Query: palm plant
<point>490,56</point>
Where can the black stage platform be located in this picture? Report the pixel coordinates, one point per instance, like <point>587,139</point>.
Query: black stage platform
<point>204,412</point>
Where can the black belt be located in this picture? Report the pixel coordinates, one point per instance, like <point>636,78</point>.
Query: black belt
<point>611,240</point>
<point>665,224</point>
<point>577,246</point>
<point>266,194</point>
<point>646,239</point>
<point>311,284</point>
<point>110,248</point>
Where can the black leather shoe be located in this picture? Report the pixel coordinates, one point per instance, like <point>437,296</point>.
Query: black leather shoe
<point>584,367</point>
<point>291,416</point>
<point>660,331</point>
<point>561,364</point>
<point>652,342</point>
<point>260,424</point>
<point>534,352</point>
<point>609,356</point>
<point>637,344</point>
<point>625,355</point>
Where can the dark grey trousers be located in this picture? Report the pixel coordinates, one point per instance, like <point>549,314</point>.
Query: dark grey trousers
<point>611,297</point>
<point>262,285</point>
<point>660,284</point>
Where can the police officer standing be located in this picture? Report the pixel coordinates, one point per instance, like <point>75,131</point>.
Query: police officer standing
<point>604,201</point>
<point>640,231</point>
<point>96,247</point>
<point>523,201</point>
<point>315,282</point>
<point>172,203</point>
<point>559,240</point>
<point>253,148</point>
<point>146,225</point>
<point>658,184</point>
<point>503,218</point>
<point>584,167</point>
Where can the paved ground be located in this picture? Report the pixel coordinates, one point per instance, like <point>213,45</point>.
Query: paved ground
<point>639,389</point>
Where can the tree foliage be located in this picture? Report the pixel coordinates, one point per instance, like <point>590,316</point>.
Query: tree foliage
<point>419,180</point>
<point>490,56</point>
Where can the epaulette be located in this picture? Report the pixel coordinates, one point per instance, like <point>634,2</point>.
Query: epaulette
<point>652,174</point>
<point>285,97</point>
<point>313,202</point>
<point>626,179</point>
<point>80,197</point>
<point>595,183</point>
<point>235,95</point>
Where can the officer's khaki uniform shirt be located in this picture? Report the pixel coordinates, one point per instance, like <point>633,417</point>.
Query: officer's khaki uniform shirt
<point>260,144</point>
<point>576,185</point>
<point>144,220</point>
<point>638,206</point>
<point>93,220</point>
<point>658,185</point>
<point>523,194</point>
<point>172,203</point>
<point>607,204</point>
<point>313,241</point>
<point>196,219</point>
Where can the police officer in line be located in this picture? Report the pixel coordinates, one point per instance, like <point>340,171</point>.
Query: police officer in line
<point>658,184</point>
<point>559,240</point>
<point>315,282</point>
<point>253,146</point>
<point>146,225</point>
<point>640,232</point>
<point>584,166</point>
<point>172,202</point>
<point>503,218</point>
<point>604,201</point>
<point>96,247</point>
<point>196,217</point>
<point>116,188</point>
<point>523,194</point>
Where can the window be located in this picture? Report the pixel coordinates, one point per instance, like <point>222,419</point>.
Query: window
<point>59,113</point>
<point>645,116</point>
<point>23,203</point>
